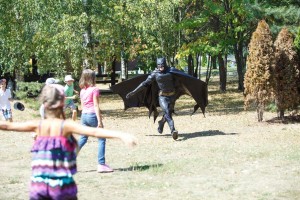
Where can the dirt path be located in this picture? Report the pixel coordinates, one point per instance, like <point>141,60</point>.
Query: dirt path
<point>222,156</point>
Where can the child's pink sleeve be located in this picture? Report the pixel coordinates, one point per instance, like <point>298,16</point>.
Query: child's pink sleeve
<point>96,92</point>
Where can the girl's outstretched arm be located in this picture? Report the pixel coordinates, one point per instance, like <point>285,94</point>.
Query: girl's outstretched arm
<point>30,126</point>
<point>73,127</point>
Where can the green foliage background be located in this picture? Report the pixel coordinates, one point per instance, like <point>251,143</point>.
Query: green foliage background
<point>53,31</point>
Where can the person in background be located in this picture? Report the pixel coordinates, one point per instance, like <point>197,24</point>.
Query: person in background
<point>54,150</point>
<point>49,81</point>
<point>91,114</point>
<point>166,97</point>
<point>5,101</point>
<point>70,96</point>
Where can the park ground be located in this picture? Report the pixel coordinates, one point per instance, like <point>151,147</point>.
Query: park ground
<point>225,155</point>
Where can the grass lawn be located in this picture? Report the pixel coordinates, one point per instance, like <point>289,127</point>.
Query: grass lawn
<point>225,155</point>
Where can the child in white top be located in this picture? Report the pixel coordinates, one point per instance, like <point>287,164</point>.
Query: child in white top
<point>5,100</point>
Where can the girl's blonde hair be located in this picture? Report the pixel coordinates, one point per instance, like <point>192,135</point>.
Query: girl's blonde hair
<point>88,78</point>
<point>53,99</point>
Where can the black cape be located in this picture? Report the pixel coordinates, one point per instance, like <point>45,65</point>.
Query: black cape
<point>184,85</point>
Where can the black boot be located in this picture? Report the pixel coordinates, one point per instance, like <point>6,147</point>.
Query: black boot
<point>174,134</point>
<point>161,124</point>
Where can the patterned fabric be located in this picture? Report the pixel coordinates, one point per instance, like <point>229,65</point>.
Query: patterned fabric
<point>7,114</point>
<point>53,164</point>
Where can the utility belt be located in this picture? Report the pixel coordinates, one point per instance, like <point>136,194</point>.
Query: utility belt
<point>161,93</point>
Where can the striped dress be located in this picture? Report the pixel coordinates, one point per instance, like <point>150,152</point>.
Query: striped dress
<point>53,166</point>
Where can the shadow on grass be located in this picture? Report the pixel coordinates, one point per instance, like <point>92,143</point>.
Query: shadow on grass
<point>140,167</point>
<point>127,114</point>
<point>136,167</point>
<point>286,120</point>
<point>83,171</point>
<point>186,136</point>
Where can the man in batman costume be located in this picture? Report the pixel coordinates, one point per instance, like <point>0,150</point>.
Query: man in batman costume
<point>162,88</point>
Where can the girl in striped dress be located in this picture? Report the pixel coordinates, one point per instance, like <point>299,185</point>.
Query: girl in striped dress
<point>54,149</point>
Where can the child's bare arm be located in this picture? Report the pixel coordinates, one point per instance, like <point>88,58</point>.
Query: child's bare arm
<point>19,126</point>
<point>73,127</point>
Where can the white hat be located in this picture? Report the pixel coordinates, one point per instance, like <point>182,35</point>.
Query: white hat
<point>68,78</point>
<point>50,81</point>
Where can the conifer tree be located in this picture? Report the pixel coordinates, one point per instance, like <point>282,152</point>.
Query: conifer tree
<point>286,73</point>
<point>297,46</point>
<point>258,86</point>
<point>297,42</point>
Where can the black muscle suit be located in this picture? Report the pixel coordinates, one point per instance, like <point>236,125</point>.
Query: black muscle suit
<point>165,81</point>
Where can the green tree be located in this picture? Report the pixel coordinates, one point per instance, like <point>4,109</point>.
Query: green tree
<point>219,28</point>
<point>51,31</point>
<point>279,14</point>
<point>155,28</point>
<point>15,37</point>
<point>61,34</point>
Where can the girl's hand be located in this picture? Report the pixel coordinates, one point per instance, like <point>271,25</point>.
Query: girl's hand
<point>100,124</point>
<point>34,136</point>
<point>129,139</point>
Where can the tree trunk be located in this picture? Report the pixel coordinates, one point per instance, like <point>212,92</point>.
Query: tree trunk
<point>209,68</point>
<point>260,111</point>
<point>280,111</point>
<point>68,62</point>
<point>34,66</point>
<point>280,114</point>
<point>197,67</point>
<point>99,68</point>
<point>113,70</point>
<point>223,73</point>
<point>123,66</point>
<point>214,62</point>
<point>238,53</point>
<point>199,58</point>
<point>190,65</point>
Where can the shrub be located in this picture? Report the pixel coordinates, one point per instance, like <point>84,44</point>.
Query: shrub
<point>286,73</point>
<point>260,60</point>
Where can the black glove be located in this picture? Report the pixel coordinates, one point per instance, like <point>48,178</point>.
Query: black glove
<point>136,90</point>
<point>130,94</point>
